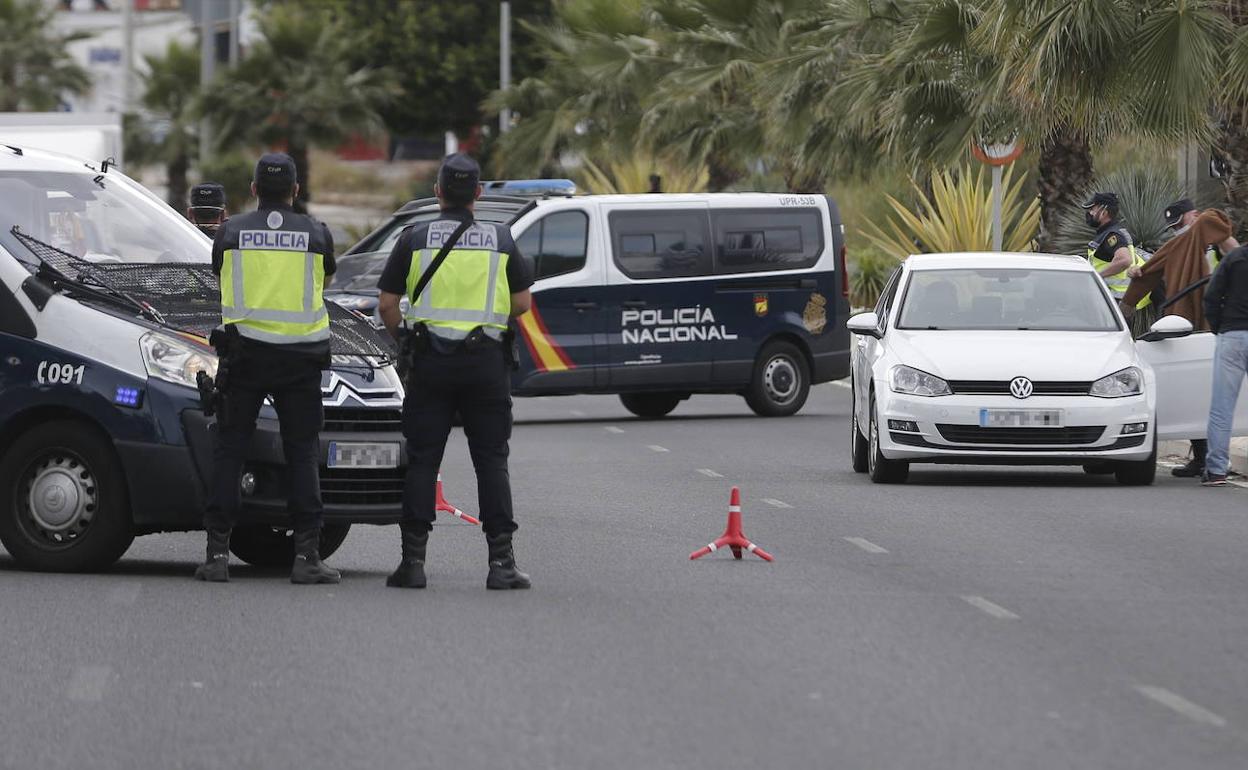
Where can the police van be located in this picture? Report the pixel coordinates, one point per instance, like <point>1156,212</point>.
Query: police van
<point>106,300</point>
<point>657,297</point>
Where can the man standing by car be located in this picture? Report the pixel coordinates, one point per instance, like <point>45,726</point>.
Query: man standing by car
<point>273,263</point>
<point>464,280</point>
<point>1226,308</point>
<point>207,209</point>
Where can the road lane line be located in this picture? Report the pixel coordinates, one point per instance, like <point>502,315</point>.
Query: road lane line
<point>840,383</point>
<point>773,502</point>
<point>577,413</point>
<point>1180,704</point>
<point>866,545</point>
<point>995,610</point>
<point>88,682</point>
<point>613,429</point>
<point>125,594</point>
<point>710,473</point>
<point>657,448</point>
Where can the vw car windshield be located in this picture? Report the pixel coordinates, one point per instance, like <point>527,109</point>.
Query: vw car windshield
<point>1006,298</point>
<point>99,217</point>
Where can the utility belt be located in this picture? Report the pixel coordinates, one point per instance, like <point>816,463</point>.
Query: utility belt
<point>419,339</point>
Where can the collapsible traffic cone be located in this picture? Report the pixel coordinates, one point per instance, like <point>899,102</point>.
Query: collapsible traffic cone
<point>442,506</point>
<point>733,537</point>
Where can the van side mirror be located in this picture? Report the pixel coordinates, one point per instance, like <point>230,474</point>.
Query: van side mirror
<point>864,323</point>
<point>1168,327</point>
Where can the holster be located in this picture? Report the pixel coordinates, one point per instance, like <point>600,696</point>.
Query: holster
<point>212,391</point>
<point>412,343</point>
<point>511,353</point>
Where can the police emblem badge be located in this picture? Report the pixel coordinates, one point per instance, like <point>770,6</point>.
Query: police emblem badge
<point>815,316</point>
<point>1112,240</point>
<point>760,305</point>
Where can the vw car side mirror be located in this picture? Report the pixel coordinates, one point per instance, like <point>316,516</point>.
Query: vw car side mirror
<point>864,323</point>
<point>1168,327</point>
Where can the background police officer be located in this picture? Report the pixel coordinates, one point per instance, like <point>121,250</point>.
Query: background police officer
<point>273,263</point>
<point>462,366</point>
<point>1111,251</point>
<point>207,209</point>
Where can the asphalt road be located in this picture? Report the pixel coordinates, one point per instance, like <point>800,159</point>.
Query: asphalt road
<point>973,618</point>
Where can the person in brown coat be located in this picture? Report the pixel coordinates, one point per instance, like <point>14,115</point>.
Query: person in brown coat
<point>1178,264</point>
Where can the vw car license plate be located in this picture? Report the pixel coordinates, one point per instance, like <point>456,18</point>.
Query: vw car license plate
<point>350,454</point>
<point>1020,418</point>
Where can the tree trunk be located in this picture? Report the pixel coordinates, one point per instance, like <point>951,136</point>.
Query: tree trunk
<point>299,154</point>
<point>1065,173</point>
<point>1233,146</point>
<point>175,173</point>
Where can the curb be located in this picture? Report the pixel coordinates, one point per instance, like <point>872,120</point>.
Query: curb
<point>1178,452</point>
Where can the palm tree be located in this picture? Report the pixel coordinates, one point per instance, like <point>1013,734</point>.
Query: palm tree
<point>297,88</point>
<point>35,70</point>
<point>168,132</point>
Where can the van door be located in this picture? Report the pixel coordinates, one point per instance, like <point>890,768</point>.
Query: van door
<point>1184,370</point>
<point>659,289</point>
<point>559,351</point>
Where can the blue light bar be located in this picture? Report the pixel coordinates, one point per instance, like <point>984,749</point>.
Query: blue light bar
<point>131,397</point>
<point>530,187</point>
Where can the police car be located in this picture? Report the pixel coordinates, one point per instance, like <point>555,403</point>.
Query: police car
<point>657,297</point>
<point>106,298</point>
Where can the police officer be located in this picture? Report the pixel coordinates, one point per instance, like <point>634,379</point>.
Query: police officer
<point>460,354</point>
<point>207,209</point>
<point>273,264</point>
<point>1111,251</point>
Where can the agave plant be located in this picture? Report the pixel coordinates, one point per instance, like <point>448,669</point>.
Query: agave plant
<point>958,216</point>
<point>869,270</point>
<point>632,175</point>
<point>1143,191</point>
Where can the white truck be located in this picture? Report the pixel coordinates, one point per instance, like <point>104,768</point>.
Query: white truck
<point>92,136</point>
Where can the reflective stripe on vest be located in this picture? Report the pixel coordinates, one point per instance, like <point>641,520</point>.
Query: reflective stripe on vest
<point>275,296</point>
<point>1119,282</point>
<point>468,291</point>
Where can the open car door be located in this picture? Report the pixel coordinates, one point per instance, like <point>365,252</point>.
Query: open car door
<point>1183,364</point>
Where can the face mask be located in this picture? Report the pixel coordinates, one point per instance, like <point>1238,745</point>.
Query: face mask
<point>1182,229</point>
<point>209,230</point>
<point>1091,220</point>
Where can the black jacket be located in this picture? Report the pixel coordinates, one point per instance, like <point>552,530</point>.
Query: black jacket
<point>1226,297</point>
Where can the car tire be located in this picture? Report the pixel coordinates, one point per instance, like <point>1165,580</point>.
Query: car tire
<point>858,443</point>
<point>651,405</point>
<point>881,469</point>
<point>64,503</point>
<point>781,381</point>
<point>1139,473</point>
<point>262,546</point>
<point>1102,468</point>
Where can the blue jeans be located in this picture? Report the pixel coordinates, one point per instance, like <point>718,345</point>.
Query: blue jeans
<point>1230,360</point>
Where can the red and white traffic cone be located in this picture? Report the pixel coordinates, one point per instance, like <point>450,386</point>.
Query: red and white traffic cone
<point>442,506</point>
<point>733,537</point>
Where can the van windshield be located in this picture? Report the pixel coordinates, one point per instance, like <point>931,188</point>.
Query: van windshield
<point>101,218</point>
<point>1010,298</point>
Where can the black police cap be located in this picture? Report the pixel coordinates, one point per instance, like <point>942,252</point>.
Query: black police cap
<point>1103,199</point>
<point>459,176</point>
<point>208,194</point>
<point>1175,211</point>
<point>275,171</point>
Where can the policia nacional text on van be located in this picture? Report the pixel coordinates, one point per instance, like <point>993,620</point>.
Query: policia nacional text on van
<point>464,281</point>
<point>274,342</point>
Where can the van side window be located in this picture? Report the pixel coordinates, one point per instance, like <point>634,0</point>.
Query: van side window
<point>660,244</point>
<point>556,243</point>
<point>754,240</point>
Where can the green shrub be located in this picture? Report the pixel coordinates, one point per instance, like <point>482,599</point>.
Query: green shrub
<point>869,269</point>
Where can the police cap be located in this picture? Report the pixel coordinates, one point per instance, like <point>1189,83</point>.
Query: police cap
<point>208,194</point>
<point>1175,211</point>
<point>458,178</point>
<point>1108,199</point>
<point>275,172</point>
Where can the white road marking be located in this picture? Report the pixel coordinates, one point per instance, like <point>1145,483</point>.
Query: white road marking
<point>1181,705</point>
<point>840,383</point>
<point>866,545</point>
<point>577,413</point>
<point>710,473</point>
<point>773,502</point>
<point>613,429</point>
<point>125,594</point>
<point>657,448</point>
<point>88,683</point>
<point>543,398</point>
<point>995,610</point>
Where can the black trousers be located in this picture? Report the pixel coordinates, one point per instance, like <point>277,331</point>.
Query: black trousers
<point>476,383</point>
<point>294,383</point>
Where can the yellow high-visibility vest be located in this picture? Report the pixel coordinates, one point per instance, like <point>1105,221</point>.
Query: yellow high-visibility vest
<point>272,288</point>
<point>1119,282</point>
<point>470,288</point>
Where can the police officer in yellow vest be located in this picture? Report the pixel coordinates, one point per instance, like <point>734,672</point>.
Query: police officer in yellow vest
<point>456,330</point>
<point>273,264</point>
<point>1111,251</point>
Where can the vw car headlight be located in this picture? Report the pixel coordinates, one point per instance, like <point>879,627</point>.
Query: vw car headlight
<point>173,360</point>
<point>1127,382</point>
<point>915,382</point>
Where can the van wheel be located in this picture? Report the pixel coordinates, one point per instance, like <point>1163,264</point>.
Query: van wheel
<point>1139,473</point>
<point>64,505</point>
<point>858,444</point>
<point>781,381</point>
<point>262,546</point>
<point>881,469</point>
<point>651,405</point>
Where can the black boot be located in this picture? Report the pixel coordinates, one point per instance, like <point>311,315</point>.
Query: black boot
<point>503,572</point>
<point>309,569</point>
<point>1193,469</point>
<point>411,570</point>
<point>216,567</point>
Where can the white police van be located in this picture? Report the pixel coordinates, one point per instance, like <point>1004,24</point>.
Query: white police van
<point>106,300</point>
<point>656,297</point>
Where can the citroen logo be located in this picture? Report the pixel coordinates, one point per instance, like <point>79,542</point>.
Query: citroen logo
<point>1020,387</point>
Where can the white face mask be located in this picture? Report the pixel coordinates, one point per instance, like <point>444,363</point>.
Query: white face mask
<point>1182,230</point>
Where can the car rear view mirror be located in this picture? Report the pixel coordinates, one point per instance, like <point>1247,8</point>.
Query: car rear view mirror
<point>864,323</point>
<point>1168,327</point>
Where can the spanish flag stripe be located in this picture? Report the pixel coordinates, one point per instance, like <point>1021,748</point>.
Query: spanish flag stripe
<point>547,354</point>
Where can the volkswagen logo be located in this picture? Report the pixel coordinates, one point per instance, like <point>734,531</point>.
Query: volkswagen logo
<point>1020,387</point>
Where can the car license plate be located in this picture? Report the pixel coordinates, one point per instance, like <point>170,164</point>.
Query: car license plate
<point>1020,418</point>
<point>351,454</point>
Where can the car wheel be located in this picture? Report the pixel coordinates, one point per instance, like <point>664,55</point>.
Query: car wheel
<point>1139,473</point>
<point>651,405</point>
<point>64,505</point>
<point>881,469</point>
<point>858,444</point>
<point>1103,468</point>
<point>781,381</point>
<point>262,546</point>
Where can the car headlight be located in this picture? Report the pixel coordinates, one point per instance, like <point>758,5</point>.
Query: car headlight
<point>173,360</point>
<point>915,382</point>
<point>1127,382</point>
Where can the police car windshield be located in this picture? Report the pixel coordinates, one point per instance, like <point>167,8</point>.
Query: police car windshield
<point>99,217</point>
<point>1006,299</point>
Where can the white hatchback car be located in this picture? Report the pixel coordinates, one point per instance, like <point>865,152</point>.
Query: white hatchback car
<point>1023,359</point>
